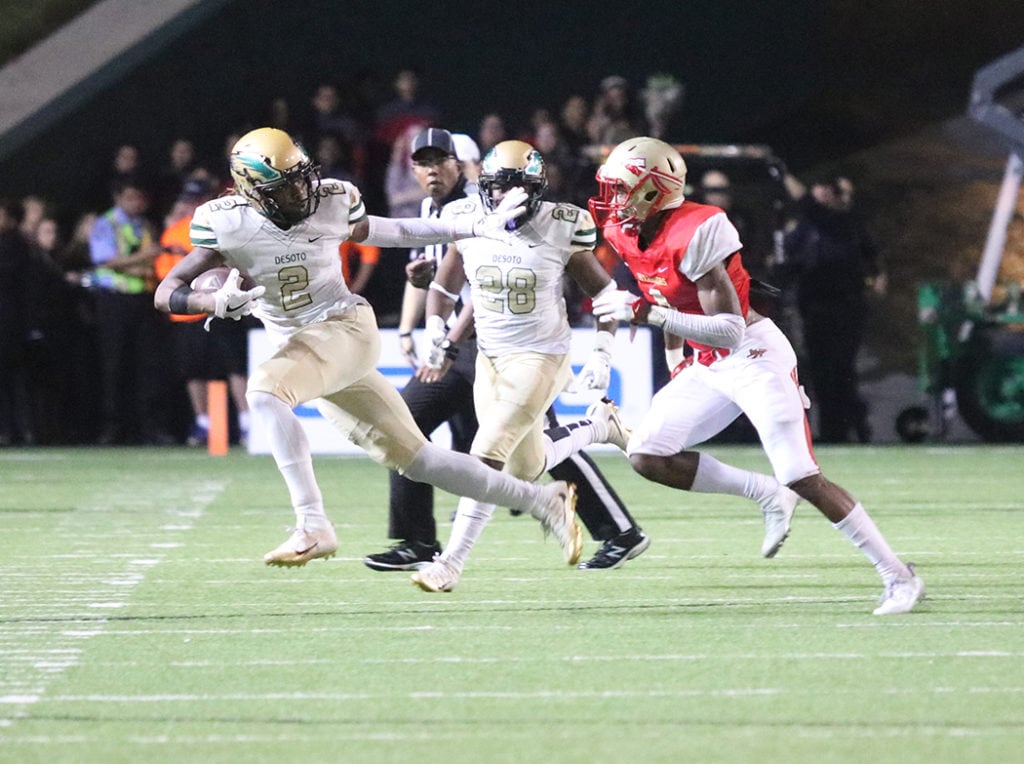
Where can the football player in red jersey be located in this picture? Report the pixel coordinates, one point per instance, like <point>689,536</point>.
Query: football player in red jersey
<point>687,262</point>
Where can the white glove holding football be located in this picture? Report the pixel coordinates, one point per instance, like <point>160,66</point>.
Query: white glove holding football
<point>596,373</point>
<point>231,301</point>
<point>493,224</point>
<point>619,305</point>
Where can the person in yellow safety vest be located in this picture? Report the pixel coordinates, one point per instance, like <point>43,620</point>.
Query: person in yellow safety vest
<point>122,247</point>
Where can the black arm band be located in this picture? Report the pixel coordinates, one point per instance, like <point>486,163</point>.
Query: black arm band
<point>178,303</point>
<point>405,334</point>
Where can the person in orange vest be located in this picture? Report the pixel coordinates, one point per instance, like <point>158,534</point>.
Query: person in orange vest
<point>364,258</point>
<point>201,355</point>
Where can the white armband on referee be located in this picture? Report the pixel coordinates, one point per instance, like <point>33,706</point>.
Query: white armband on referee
<point>408,232</point>
<point>438,288</point>
<point>722,330</point>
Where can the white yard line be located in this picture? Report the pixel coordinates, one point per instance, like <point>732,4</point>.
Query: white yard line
<point>28,671</point>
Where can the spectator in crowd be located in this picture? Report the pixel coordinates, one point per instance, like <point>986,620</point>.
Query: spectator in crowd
<point>614,117</point>
<point>566,179</point>
<point>715,188</point>
<point>122,247</point>
<point>331,120</point>
<point>491,132</point>
<point>15,256</point>
<point>180,163</point>
<point>833,263</point>
<point>280,115</point>
<point>84,403</point>
<point>572,122</point>
<point>217,351</point>
<point>35,210</point>
<point>662,99</point>
<point>48,340</point>
<point>328,116</point>
<point>407,109</point>
<point>125,164</point>
<point>334,155</point>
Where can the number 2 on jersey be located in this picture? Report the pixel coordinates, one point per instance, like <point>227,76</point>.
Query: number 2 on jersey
<point>294,281</point>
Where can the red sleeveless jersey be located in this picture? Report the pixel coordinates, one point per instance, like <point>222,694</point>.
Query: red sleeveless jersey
<point>657,268</point>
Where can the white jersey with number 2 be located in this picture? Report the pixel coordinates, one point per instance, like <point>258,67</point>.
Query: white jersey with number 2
<point>299,267</point>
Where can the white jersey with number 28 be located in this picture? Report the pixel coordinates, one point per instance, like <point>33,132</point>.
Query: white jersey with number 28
<point>518,298</point>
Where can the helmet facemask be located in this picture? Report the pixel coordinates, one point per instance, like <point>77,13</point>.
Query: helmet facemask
<point>292,198</point>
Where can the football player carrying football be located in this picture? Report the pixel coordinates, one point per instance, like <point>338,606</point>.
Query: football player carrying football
<point>282,227</point>
<point>686,260</point>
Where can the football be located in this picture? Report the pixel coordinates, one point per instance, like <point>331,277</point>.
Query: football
<point>213,279</point>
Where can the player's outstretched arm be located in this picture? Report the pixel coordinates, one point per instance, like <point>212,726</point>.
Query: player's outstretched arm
<point>419,232</point>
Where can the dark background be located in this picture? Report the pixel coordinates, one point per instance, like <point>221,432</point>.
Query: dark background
<point>812,79</point>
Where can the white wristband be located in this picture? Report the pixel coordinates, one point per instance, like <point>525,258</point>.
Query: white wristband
<point>603,342</point>
<point>438,288</point>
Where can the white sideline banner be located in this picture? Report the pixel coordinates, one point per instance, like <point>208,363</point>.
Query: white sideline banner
<point>631,387</point>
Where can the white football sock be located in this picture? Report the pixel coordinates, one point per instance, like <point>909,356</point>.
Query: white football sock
<point>714,476</point>
<point>465,475</point>
<point>860,529</point>
<point>471,518</point>
<point>290,448</point>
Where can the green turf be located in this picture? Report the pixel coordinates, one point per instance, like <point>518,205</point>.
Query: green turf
<point>138,623</point>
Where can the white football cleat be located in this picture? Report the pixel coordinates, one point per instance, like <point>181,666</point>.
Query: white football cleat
<point>437,576</point>
<point>606,411</point>
<point>557,515</point>
<point>302,546</point>
<point>901,594</point>
<point>778,517</point>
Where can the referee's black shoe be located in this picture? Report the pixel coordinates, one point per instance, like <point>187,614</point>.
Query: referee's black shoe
<point>405,555</point>
<point>615,551</point>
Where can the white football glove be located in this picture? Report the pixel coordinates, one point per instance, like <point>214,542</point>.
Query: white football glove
<point>619,305</point>
<point>493,224</point>
<point>231,301</point>
<point>434,333</point>
<point>596,373</point>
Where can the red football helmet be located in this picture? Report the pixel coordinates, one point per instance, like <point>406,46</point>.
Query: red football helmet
<point>641,177</point>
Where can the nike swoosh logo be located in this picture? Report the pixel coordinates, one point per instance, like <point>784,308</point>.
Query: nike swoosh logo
<point>662,270</point>
<point>308,549</point>
<point>536,245</point>
<point>315,238</point>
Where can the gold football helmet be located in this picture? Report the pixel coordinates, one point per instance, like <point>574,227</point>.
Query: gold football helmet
<point>641,177</point>
<point>513,163</point>
<point>276,175</point>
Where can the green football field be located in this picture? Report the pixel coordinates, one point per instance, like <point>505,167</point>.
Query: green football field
<point>138,622</point>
